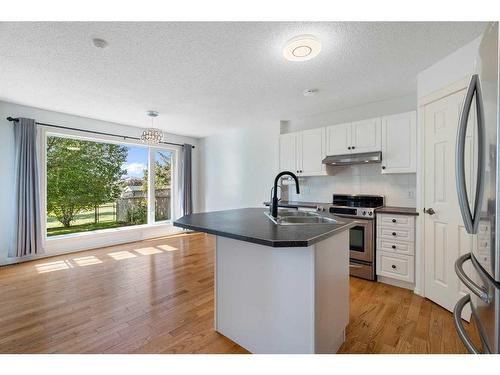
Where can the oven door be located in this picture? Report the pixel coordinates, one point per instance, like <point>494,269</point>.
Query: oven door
<point>361,241</point>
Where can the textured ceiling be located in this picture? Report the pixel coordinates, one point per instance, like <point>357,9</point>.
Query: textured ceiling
<point>205,78</point>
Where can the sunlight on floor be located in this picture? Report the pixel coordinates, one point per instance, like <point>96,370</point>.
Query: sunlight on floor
<point>167,248</point>
<point>148,250</point>
<point>119,255</point>
<point>92,259</point>
<point>87,261</point>
<point>53,266</point>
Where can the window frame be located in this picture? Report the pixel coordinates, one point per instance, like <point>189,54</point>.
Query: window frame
<point>45,132</point>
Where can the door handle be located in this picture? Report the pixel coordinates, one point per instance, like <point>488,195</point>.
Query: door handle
<point>457,320</point>
<point>471,219</point>
<point>429,211</point>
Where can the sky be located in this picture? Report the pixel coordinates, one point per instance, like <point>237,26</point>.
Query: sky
<point>137,161</point>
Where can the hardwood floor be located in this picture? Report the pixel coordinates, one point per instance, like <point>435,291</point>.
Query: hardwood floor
<point>387,319</point>
<point>156,296</point>
<point>146,297</point>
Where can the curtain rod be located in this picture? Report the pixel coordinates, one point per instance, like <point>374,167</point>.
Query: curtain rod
<point>94,132</point>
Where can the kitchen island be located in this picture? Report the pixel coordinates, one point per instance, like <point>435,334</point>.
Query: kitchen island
<point>278,288</point>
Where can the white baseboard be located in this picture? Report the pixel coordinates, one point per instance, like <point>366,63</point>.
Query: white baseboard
<point>394,282</point>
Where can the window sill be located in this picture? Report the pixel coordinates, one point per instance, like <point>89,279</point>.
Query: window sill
<point>98,232</point>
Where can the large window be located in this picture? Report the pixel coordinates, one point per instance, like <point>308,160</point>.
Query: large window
<point>93,185</point>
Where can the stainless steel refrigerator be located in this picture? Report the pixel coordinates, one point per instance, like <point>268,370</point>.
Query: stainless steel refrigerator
<point>480,207</point>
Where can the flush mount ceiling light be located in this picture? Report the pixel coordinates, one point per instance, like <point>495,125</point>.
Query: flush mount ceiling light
<point>152,135</point>
<point>302,48</point>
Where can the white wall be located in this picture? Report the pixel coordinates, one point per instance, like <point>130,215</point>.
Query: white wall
<point>238,167</point>
<point>452,68</point>
<point>7,192</point>
<point>361,112</point>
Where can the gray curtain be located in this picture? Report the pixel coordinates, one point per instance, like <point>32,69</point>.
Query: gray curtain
<point>27,224</point>
<point>187,188</point>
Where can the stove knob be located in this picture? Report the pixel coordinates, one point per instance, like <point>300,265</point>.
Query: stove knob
<point>364,213</point>
<point>370,213</point>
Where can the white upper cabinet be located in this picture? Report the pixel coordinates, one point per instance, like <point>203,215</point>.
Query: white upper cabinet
<point>366,136</point>
<point>356,137</point>
<point>302,152</point>
<point>338,139</point>
<point>312,152</point>
<point>288,152</point>
<point>399,143</point>
<point>396,136</point>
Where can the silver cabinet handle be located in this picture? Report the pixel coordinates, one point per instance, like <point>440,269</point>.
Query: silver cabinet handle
<point>469,283</point>
<point>457,320</point>
<point>471,220</point>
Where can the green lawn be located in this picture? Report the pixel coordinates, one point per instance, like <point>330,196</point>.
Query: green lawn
<point>84,228</point>
<point>86,217</point>
<point>84,222</point>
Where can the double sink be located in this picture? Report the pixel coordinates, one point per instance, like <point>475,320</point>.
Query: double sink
<point>297,217</point>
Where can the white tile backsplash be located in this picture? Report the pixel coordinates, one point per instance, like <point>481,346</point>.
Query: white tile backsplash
<point>398,189</point>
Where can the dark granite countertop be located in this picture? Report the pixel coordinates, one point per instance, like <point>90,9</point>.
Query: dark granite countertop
<point>251,225</point>
<point>397,210</point>
<point>296,204</point>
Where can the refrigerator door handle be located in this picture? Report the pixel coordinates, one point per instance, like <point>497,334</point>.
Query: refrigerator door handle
<point>471,220</point>
<point>457,320</point>
<point>469,283</point>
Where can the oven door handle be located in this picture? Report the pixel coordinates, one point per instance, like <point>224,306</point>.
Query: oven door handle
<point>354,266</point>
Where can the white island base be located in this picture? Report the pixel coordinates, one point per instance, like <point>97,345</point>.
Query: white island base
<point>283,300</point>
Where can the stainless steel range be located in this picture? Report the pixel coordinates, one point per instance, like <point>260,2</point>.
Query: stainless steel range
<point>362,236</point>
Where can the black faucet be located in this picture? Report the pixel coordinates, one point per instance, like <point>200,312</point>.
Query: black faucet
<point>274,202</point>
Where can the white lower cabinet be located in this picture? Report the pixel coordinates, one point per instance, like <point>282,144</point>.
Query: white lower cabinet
<point>396,247</point>
<point>395,266</point>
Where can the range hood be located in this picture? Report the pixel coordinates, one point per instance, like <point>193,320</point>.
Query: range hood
<point>348,159</point>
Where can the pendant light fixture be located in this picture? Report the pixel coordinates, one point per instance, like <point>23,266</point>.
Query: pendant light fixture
<point>152,135</point>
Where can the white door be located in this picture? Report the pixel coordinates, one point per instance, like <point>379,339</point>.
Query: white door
<point>366,136</point>
<point>338,139</point>
<point>399,143</point>
<point>288,152</point>
<point>445,237</point>
<point>312,152</point>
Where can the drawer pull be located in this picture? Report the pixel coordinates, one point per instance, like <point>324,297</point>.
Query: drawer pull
<point>393,266</point>
<point>393,220</point>
<point>393,246</point>
<point>393,233</point>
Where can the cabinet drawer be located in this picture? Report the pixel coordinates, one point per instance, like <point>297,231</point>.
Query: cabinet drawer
<point>399,221</point>
<point>398,247</point>
<point>396,234</point>
<point>396,266</point>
